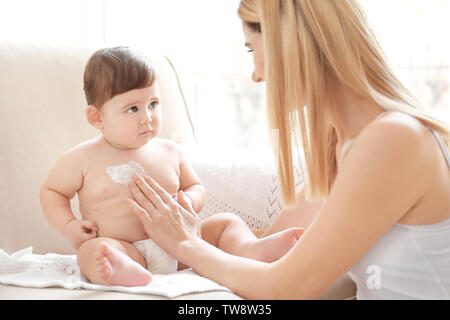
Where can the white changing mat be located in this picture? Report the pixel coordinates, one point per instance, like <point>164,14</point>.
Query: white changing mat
<point>25,269</point>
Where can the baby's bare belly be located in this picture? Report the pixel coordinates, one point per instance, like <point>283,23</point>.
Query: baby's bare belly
<point>103,201</point>
<point>115,220</point>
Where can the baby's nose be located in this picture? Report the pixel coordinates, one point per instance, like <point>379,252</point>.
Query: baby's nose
<point>147,117</point>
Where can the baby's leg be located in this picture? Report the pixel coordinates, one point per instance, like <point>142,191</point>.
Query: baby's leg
<point>231,234</point>
<point>108,261</point>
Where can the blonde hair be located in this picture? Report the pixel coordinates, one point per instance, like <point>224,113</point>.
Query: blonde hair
<point>307,43</point>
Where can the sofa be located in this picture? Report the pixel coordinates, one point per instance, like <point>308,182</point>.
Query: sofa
<point>42,115</point>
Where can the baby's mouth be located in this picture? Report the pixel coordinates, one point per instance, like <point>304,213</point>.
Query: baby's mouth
<point>145,132</point>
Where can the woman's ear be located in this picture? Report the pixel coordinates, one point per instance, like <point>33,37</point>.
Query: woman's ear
<point>94,117</point>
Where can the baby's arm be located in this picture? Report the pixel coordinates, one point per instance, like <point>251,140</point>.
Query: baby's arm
<point>191,184</point>
<point>63,181</point>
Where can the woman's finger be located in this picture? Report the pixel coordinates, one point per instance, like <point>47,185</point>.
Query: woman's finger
<point>185,203</point>
<point>142,199</point>
<point>165,196</point>
<point>149,192</point>
<point>142,214</point>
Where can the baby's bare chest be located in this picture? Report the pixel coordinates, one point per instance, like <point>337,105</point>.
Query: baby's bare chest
<point>108,179</point>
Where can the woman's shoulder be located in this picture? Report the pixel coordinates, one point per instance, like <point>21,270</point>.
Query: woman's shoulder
<point>400,121</point>
<point>395,130</point>
<point>396,143</point>
<point>389,157</point>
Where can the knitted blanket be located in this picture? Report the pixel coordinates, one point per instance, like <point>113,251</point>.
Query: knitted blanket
<point>25,269</point>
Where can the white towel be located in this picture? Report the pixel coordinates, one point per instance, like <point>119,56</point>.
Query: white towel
<point>25,269</point>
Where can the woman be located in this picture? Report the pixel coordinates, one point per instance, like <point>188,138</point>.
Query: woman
<point>376,197</point>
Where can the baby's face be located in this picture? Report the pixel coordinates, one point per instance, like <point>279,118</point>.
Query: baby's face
<point>131,119</point>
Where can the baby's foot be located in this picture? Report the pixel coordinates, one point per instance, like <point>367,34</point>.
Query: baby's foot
<point>273,247</point>
<point>116,268</point>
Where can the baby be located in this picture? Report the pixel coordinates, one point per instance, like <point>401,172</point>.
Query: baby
<point>122,92</point>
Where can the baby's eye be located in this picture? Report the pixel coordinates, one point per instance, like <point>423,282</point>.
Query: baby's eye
<point>132,109</point>
<point>153,105</point>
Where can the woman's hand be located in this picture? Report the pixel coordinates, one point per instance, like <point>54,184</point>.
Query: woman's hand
<point>165,220</point>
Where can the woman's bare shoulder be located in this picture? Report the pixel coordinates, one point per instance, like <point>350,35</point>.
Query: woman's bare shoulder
<point>397,145</point>
<point>394,132</point>
<point>401,123</point>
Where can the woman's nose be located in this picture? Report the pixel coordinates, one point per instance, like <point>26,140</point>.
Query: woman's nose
<point>256,77</point>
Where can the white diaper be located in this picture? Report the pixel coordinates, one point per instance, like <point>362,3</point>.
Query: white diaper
<point>158,261</point>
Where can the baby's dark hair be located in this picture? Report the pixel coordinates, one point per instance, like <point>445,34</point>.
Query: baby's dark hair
<point>112,71</point>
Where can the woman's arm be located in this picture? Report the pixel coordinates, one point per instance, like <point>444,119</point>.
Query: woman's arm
<point>176,228</point>
<point>383,176</point>
<point>246,277</point>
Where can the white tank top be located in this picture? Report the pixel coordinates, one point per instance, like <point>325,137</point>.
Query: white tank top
<point>408,262</point>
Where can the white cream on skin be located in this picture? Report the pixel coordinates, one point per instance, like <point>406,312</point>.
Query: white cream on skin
<point>123,173</point>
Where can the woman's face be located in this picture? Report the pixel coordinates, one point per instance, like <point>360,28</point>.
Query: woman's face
<point>253,41</point>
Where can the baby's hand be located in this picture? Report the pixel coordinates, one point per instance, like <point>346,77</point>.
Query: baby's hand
<point>79,231</point>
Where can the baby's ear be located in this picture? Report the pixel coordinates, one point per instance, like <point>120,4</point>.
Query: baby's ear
<point>94,117</point>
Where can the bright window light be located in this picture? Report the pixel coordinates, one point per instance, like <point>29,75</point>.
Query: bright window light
<point>204,40</point>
